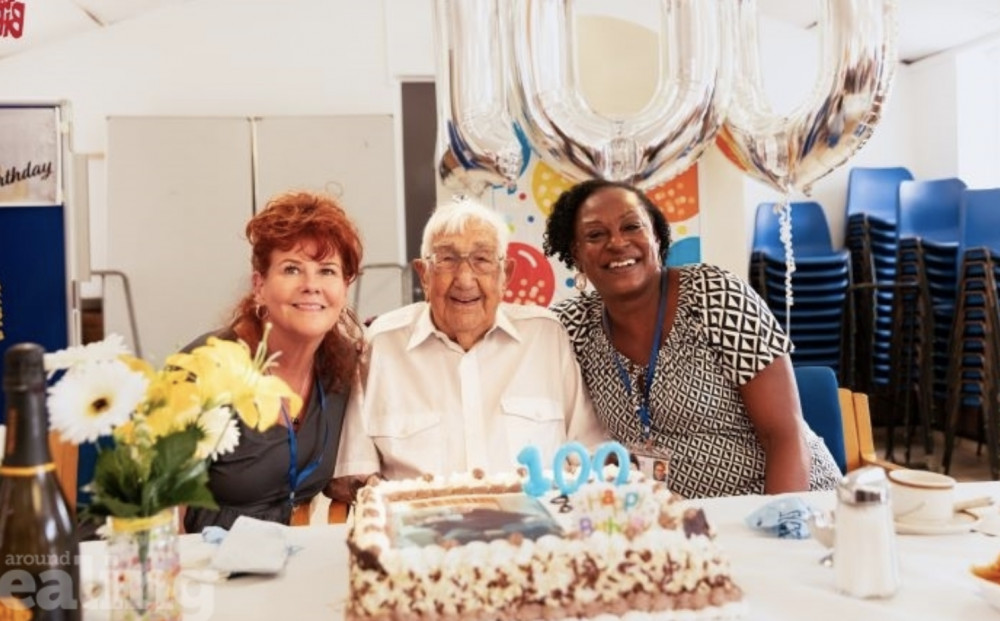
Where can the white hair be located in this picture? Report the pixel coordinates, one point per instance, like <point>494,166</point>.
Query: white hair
<point>456,215</point>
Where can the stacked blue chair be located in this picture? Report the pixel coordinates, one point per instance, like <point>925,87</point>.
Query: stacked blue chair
<point>927,225</point>
<point>973,383</point>
<point>819,283</point>
<point>872,197</point>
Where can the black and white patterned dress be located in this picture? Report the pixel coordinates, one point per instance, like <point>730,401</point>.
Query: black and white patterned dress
<point>722,336</point>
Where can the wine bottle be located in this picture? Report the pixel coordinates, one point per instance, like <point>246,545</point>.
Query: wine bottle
<point>39,554</point>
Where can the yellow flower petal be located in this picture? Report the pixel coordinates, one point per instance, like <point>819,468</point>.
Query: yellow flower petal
<point>138,365</point>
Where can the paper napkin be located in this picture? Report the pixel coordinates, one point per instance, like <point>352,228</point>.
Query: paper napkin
<point>253,547</point>
<point>786,517</point>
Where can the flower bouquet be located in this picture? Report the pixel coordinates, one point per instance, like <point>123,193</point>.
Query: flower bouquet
<point>167,425</point>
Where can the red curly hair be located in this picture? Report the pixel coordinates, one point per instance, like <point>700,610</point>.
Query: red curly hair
<point>285,222</point>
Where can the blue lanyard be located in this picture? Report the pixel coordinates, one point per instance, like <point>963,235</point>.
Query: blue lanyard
<point>296,478</point>
<point>654,353</point>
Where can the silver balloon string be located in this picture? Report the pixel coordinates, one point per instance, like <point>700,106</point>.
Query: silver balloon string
<point>783,209</point>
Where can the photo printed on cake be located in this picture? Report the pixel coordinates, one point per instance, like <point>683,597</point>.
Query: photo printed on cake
<point>466,518</point>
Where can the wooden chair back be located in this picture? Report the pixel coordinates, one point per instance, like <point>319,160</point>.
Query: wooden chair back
<point>65,455</point>
<point>859,442</point>
<point>301,515</point>
<point>335,514</point>
<point>852,445</point>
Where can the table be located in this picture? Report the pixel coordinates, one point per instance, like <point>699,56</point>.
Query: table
<point>782,579</point>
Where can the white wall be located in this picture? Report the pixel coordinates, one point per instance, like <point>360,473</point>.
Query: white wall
<point>210,58</point>
<point>977,126</point>
<point>934,106</point>
<point>954,101</point>
<point>322,57</point>
<point>215,57</point>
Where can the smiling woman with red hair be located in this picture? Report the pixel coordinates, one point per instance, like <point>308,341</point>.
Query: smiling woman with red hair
<point>305,253</point>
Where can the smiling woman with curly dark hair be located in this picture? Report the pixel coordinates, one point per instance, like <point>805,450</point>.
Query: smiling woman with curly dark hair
<point>559,225</point>
<point>680,361</point>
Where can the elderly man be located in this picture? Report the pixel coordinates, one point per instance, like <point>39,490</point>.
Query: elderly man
<point>464,381</point>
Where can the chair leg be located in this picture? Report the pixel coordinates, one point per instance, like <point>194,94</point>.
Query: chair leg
<point>952,408</point>
<point>992,430</point>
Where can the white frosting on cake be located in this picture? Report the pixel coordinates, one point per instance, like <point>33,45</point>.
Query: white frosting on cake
<point>672,565</point>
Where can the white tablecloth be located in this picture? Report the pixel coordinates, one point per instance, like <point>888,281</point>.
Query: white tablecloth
<point>782,579</point>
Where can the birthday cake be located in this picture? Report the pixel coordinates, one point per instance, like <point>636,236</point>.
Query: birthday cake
<point>479,547</point>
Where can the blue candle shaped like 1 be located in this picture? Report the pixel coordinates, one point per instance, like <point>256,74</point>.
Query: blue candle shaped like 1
<point>537,483</point>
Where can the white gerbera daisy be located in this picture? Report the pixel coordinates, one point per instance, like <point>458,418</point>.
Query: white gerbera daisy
<point>102,351</point>
<point>92,399</point>
<point>222,434</point>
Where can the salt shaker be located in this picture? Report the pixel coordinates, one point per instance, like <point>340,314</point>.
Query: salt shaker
<point>864,550</point>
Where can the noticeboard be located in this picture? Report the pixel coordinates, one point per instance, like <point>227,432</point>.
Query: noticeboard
<point>33,261</point>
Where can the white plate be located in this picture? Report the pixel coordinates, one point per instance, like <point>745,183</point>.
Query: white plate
<point>960,522</point>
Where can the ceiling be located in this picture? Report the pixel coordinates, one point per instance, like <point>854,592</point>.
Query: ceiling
<point>926,27</point>
<point>48,21</point>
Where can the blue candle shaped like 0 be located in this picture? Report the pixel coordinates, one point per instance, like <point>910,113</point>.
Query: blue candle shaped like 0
<point>624,465</point>
<point>559,462</point>
<point>537,483</point>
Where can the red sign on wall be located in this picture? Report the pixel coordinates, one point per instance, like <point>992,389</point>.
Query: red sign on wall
<point>11,19</point>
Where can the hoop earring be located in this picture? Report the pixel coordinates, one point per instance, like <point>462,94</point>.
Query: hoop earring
<point>261,312</point>
<point>580,281</point>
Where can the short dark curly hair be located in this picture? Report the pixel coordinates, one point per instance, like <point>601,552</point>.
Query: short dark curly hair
<point>560,226</point>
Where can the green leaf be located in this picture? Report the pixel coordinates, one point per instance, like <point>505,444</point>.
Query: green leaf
<point>197,494</point>
<point>173,451</point>
<point>186,484</point>
<point>123,487</point>
<point>118,508</point>
<point>117,475</point>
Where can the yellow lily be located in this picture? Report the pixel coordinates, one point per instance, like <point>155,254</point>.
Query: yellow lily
<point>226,371</point>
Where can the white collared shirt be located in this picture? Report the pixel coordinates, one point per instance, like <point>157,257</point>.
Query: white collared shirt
<point>428,406</point>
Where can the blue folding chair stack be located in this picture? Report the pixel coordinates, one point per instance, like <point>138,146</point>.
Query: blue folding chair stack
<point>927,224</point>
<point>819,283</point>
<point>973,383</point>
<point>872,197</point>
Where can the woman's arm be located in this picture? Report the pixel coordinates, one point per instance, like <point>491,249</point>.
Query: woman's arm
<point>772,402</point>
<point>344,489</point>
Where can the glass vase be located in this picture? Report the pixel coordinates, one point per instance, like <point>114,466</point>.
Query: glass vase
<point>144,562</point>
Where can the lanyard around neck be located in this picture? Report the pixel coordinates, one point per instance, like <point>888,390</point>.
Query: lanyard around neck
<point>296,478</point>
<point>654,353</point>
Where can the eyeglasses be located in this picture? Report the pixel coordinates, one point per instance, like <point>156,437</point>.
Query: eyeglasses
<point>482,263</point>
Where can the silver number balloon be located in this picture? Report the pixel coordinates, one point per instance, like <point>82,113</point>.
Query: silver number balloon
<point>858,60</point>
<point>477,147</point>
<point>655,144</point>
